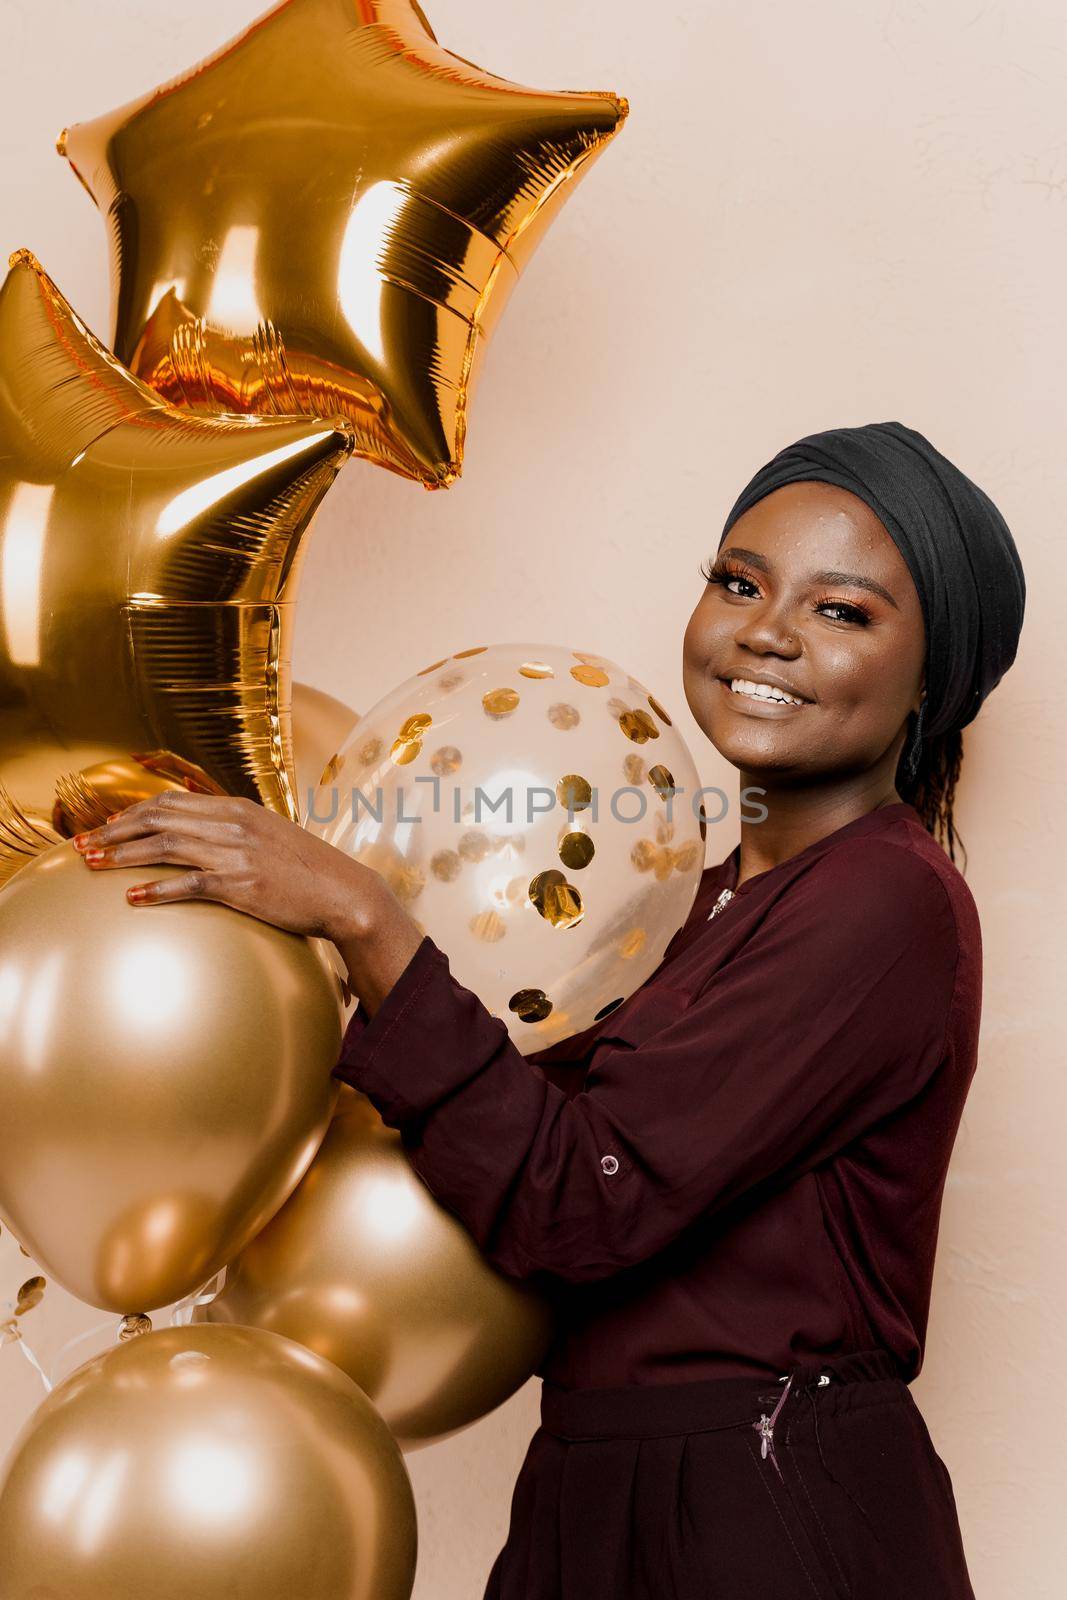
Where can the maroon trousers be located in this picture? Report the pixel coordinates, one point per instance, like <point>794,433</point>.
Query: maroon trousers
<point>682,1492</point>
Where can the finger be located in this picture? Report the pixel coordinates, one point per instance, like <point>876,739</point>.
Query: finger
<point>170,848</point>
<point>195,885</point>
<point>173,810</point>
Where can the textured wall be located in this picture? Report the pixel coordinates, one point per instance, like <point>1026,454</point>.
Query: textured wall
<point>825,214</point>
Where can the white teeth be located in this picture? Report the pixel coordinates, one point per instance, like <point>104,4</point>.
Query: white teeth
<point>762,691</point>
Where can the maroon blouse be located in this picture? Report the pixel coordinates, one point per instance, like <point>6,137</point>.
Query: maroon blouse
<point>743,1165</point>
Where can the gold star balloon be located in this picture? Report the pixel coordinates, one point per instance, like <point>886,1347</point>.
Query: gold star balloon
<point>328,216</point>
<point>148,568</point>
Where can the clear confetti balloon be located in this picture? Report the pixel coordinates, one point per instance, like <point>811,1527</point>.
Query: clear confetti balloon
<point>538,813</point>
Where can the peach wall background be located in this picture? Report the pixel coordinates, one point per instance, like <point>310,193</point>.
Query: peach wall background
<point>826,214</point>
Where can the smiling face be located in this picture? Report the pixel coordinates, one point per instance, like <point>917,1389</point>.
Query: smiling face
<point>786,607</point>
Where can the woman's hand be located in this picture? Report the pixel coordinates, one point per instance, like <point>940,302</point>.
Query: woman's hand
<point>254,860</point>
<point>241,855</point>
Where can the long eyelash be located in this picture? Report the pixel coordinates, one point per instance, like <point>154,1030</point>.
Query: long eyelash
<point>858,613</point>
<point>725,568</point>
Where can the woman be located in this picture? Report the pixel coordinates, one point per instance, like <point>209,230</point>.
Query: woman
<point>732,1184</point>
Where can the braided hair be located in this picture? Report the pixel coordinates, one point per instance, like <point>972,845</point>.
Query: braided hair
<point>927,775</point>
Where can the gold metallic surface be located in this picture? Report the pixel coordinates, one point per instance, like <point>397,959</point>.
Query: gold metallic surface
<point>662,780</point>
<point>207,1462</point>
<point>320,726</point>
<point>148,566</point>
<point>576,850</point>
<point>164,1078</point>
<point>532,1005</point>
<point>328,216</point>
<point>472,827</point>
<point>558,901</point>
<point>638,726</point>
<point>365,1267</point>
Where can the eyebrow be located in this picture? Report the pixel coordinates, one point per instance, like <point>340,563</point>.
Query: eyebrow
<point>854,579</point>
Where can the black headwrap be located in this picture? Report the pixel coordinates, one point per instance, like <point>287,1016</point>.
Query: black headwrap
<point>957,546</point>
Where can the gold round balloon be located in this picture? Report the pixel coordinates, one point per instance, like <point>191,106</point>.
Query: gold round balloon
<point>320,727</point>
<point>220,1463</point>
<point>538,814</point>
<point>164,1079</point>
<point>148,567</point>
<point>365,1267</point>
<point>328,215</point>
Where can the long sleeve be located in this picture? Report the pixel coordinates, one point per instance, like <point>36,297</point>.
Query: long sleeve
<point>830,1015</point>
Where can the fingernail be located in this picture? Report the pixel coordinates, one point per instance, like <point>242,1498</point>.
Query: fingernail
<point>94,855</point>
<point>136,894</point>
<point>80,840</point>
<point>113,815</point>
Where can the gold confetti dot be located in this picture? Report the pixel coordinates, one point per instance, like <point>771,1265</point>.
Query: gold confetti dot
<point>561,715</point>
<point>634,769</point>
<point>450,680</point>
<point>536,669</point>
<point>446,866</point>
<point>558,901</point>
<point>488,926</point>
<point>478,650</point>
<point>530,1005</point>
<point>434,668</point>
<point>574,792</point>
<point>510,844</point>
<point>632,943</point>
<point>663,865</point>
<point>662,780</point>
<point>592,677</point>
<point>331,769</point>
<point>576,850</point>
<point>407,883</point>
<point>605,1011</point>
<point>702,824</point>
<point>475,846</point>
<point>664,831</point>
<point>687,856</point>
<point>408,742</point>
<point>638,726</point>
<point>643,855</point>
<point>515,893</point>
<point>370,752</point>
<point>31,1294</point>
<point>405,751</point>
<point>446,760</point>
<point>500,702</point>
<point>658,709</point>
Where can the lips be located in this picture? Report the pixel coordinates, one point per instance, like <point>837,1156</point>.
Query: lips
<point>742,700</point>
<point>765,679</point>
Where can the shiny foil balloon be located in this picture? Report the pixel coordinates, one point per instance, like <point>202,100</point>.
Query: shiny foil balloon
<point>364,1266</point>
<point>538,813</point>
<point>215,1463</point>
<point>164,1078</point>
<point>328,215</point>
<point>320,727</point>
<point>148,567</point>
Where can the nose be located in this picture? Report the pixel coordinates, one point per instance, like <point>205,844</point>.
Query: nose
<point>768,629</point>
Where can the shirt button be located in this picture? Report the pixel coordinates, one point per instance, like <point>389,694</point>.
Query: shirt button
<point>609,1164</point>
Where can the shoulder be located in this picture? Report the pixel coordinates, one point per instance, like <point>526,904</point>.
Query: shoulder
<point>898,879</point>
